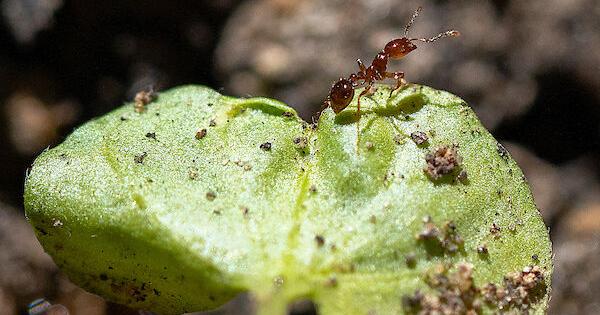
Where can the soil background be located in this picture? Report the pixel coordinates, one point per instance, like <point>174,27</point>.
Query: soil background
<point>530,69</point>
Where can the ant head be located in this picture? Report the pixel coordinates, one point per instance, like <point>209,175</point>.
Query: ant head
<point>399,48</point>
<point>341,95</point>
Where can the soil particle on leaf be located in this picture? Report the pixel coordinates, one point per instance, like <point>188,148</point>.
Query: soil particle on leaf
<point>212,123</point>
<point>370,145</point>
<point>139,159</point>
<point>419,137</point>
<point>287,114</point>
<point>210,196</point>
<point>320,240</point>
<point>331,282</point>
<point>373,219</point>
<point>482,249</point>
<point>151,135</point>
<point>266,146</point>
<point>399,139</point>
<point>501,150</point>
<point>245,210</point>
<point>535,257</point>
<point>429,231</point>
<point>278,281</point>
<point>446,237</point>
<point>410,260</point>
<point>442,161</point>
<point>143,98</point>
<point>313,188</point>
<point>300,142</point>
<point>519,290</point>
<point>452,241</point>
<point>455,293</point>
<point>193,173</point>
<point>413,304</point>
<point>200,133</point>
<point>495,230</point>
<point>462,176</point>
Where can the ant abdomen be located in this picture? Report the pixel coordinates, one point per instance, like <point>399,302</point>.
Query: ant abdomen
<point>342,93</point>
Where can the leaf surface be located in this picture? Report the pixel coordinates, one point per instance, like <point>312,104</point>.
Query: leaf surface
<point>137,208</point>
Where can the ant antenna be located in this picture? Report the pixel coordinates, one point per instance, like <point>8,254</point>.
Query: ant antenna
<point>450,33</point>
<point>412,20</point>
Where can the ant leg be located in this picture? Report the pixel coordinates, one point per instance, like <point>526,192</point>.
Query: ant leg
<point>399,77</point>
<point>365,91</point>
<point>361,65</point>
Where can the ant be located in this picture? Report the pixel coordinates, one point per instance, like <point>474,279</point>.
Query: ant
<point>342,92</point>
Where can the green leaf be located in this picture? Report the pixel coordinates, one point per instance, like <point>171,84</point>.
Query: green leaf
<point>139,208</point>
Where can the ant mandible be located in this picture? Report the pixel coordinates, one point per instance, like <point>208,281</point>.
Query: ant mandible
<point>342,92</point>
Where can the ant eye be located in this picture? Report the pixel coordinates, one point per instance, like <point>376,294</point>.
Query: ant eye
<point>341,94</point>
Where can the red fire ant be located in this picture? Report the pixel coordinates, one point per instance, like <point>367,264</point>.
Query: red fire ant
<point>342,92</point>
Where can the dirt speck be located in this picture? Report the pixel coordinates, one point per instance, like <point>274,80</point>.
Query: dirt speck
<point>495,230</point>
<point>320,240</point>
<point>151,135</point>
<point>287,114</point>
<point>370,145</point>
<point>245,210</point>
<point>410,260</point>
<point>212,123</point>
<point>419,137</point>
<point>200,133</point>
<point>445,238</point>
<point>399,139</point>
<point>482,249</point>
<point>210,196</point>
<point>501,150</point>
<point>193,173</point>
<point>139,159</point>
<point>143,98</point>
<point>278,281</point>
<point>373,219</point>
<point>442,161</point>
<point>463,176</point>
<point>300,142</point>
<point>455,293</point>
<point>519,290</point>
<point>266,146</point>
<point>429,231</point>
<point>331,282</point>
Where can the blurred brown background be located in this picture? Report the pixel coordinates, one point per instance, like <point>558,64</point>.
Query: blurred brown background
<point>530,69</point>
